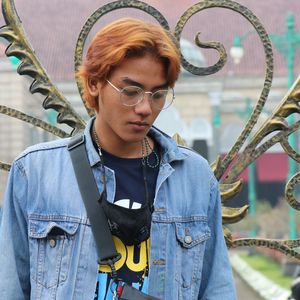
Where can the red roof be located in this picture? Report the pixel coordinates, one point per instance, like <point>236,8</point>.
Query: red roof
<point>53,27</point>
<point>270,167</point>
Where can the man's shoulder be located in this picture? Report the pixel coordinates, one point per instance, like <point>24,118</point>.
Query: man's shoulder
<point>47,147</point>
<point>197,165</point>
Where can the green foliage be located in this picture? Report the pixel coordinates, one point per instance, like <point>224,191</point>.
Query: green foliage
<point>268,268</point>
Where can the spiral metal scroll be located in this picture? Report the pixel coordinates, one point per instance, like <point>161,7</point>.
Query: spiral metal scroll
<point>233,163</point>
<point>230,187</point>
<point>262,33</point>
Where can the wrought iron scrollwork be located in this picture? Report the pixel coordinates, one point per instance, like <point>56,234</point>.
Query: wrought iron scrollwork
<point>234,162</point>
<point>33,121</point>
<point>20,47</point>
<point>4,166</point>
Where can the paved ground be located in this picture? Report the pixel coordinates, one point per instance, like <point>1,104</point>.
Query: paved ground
<point>244,292</point>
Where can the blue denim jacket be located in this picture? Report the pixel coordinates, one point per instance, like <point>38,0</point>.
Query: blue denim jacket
<point>188,255</point>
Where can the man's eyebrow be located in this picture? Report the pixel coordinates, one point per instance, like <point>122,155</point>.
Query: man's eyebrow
<point>129,81</point>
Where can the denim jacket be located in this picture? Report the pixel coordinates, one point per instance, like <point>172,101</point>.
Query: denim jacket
<point>47,250</point>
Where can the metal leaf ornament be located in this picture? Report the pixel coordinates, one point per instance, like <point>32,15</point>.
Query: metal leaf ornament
<point>236,160</point>
<point>20,47</point>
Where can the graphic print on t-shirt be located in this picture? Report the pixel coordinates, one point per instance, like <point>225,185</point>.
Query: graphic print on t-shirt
<point>132,268</point>
<point>127,204</point>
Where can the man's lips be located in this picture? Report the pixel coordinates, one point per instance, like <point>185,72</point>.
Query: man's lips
<point>139,125</point>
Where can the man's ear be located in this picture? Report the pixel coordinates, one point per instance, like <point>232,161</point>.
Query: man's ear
<point>93,86</point>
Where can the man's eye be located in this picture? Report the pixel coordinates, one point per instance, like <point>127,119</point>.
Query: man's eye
<point>159,95</point>
<point>131,92</point>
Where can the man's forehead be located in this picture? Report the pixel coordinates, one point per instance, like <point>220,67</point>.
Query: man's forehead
<point>129,81</point>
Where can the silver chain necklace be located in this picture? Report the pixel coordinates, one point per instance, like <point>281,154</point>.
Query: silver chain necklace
<point>145,158</point>
<point>146,150</point>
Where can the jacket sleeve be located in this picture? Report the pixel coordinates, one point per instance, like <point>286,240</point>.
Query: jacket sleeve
<point>217,282</point>
<point>14,253</point>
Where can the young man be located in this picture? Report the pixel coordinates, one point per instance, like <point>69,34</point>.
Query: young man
<point>47,249</point>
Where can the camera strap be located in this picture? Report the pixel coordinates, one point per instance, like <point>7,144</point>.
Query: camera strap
<point>106,250</point>
<point>127,292</point>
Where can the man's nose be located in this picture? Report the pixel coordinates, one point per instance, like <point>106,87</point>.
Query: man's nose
<point>144,106</point>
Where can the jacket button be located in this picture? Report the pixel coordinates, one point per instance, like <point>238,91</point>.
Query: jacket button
<point>52,243</point>
<point>188,239</point>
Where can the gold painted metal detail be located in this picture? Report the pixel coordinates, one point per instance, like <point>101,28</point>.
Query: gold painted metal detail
<point>20,47</point>
<point>4,166</point>
<point>178,139</point>
<point>276,122</point>
<point>32,120</point>
<point>229,190</point>
<point>283,246</point>
<point>233,215</point>
<point>289,188</point>
<point>274,130</point>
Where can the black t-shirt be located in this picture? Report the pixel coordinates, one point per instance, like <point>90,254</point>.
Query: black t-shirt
<point>132,268</point>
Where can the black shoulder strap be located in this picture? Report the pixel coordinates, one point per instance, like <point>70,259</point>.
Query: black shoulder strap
<point>89,192</point>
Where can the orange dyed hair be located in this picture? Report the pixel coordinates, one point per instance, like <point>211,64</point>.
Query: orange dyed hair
<point>122,39</point>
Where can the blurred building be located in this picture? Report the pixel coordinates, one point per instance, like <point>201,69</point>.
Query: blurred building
<point>53,28</point>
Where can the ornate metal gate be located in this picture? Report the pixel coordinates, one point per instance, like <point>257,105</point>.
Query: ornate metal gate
<point>275,129</point>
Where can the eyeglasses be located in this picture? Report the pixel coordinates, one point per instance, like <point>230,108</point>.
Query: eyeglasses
<point>133,95</point>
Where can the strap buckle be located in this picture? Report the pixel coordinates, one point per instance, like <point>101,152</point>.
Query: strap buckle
<point>111,263</point>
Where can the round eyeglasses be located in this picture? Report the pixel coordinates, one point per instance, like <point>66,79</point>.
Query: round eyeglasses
<point>133,95</point>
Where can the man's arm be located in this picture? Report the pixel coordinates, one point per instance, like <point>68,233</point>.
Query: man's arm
<point>14,253</point>
<point>217,280</point>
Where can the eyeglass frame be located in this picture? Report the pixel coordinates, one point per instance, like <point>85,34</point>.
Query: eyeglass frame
<point>142,94</point>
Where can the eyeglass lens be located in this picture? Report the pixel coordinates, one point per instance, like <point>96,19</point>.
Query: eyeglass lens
<point>132,95</point>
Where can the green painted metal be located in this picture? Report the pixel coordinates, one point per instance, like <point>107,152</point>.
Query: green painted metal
<point>252,196</point>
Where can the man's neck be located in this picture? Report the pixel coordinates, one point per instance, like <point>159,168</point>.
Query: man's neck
<point>118,147</point>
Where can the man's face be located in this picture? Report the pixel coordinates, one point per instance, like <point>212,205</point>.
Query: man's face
<point>129,124</point>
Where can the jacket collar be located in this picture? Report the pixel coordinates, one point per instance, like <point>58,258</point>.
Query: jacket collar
<point>170,151</point>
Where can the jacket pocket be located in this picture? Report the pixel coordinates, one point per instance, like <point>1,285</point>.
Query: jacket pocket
<point>51,243</point>
<point>191,240</point>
